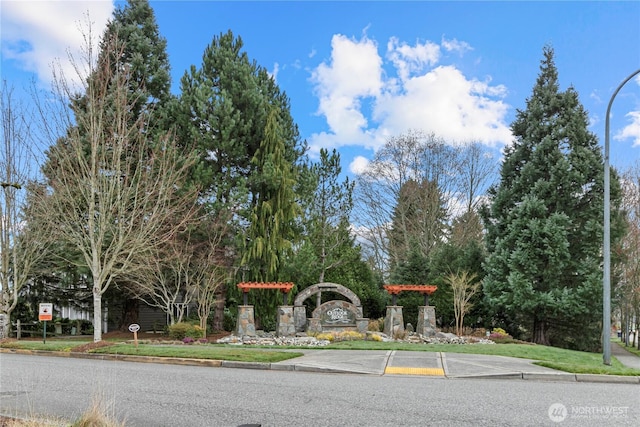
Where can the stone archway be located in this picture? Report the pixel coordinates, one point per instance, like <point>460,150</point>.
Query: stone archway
<point>343,314</point>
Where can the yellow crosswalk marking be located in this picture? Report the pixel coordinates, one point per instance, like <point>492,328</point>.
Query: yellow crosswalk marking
<point>398,370</point>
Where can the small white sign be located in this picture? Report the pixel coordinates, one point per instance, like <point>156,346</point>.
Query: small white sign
<point>134,327</point>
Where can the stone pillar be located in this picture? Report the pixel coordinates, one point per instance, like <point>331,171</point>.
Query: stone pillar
<point>393,321</point>
<point>362,324</point>
<point>315,326</point>
<point>246,324</point>
<point>426,321</point>
<point>285,326</point>
<point>300,318</point>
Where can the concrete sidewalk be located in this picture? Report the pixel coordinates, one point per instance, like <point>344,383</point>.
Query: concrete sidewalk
<point>435,365</point>
<point>625,357</point>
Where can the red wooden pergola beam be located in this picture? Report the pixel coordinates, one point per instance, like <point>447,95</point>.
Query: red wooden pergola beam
<point>282,286</point>
<point>285,287</point>
<point>423,289</point>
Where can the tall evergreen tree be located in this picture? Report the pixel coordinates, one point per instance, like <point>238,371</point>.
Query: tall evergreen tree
<point>223,109</point>
<point>330,208</point>
<point>272,219</point>
<point>131,45</point>
<point>144,52</point>
<point>418,221</point>
<point>544,230</point>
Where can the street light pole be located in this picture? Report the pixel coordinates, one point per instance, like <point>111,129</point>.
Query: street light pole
<point>606,280</point>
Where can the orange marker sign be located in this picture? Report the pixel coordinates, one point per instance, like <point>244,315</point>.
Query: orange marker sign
<point>45,312</point>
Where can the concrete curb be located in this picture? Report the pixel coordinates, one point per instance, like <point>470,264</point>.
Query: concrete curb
<point>245,365</point>
<point>561,376</point>
<point>536,376</point>
<point>503,376</point>
<point>618,379</point>
<point>320,369</point>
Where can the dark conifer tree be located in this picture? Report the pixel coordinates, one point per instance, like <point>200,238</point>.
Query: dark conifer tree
<point>544,224</point>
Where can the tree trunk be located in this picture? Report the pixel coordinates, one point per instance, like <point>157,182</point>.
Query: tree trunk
<point>5,325</point>
<point>540,329</point>
<point>130,313</point>
<point>97,315</point>
<point>218,314</point>
<point>203,323</point>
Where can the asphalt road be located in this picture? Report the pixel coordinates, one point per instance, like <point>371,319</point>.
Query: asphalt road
<point>147,394</point>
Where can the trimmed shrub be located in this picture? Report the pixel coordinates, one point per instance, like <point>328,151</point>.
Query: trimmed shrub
<point>183,329</point>
<point>500,336</point>
<point>229,320</point>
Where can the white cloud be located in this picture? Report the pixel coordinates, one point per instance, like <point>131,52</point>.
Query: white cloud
<point>38,34</point>
<point>355,69</point>
<point>274,73</point>
<point>454,45</point>
<point>447,103</point>
<point>365,99</point>
<point>409,60</point>
<point>353,74</point>
<point>358,165</point>
<point>632,130</point>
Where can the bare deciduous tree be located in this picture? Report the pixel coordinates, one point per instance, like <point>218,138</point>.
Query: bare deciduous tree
<point>191,267</point>
<point>628,289</point>
<point>410,157</point>
<point>165,280</point>
<point>447,180</point>
<point>212,272</point>
<point>463,286</point>
<point>477,170</point>
<point>114,195</point>
<point>20,247</point>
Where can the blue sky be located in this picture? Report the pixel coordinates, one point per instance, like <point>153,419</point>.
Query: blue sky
<point>359,72</point>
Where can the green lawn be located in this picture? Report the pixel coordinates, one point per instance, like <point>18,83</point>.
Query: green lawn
<point>551,357</point>
<point>209,351</point>
<point>51,345</point>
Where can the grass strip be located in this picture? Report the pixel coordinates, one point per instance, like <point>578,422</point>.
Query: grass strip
<point>39,345</point>
<point>596,367</point>
<point>211,352</point>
